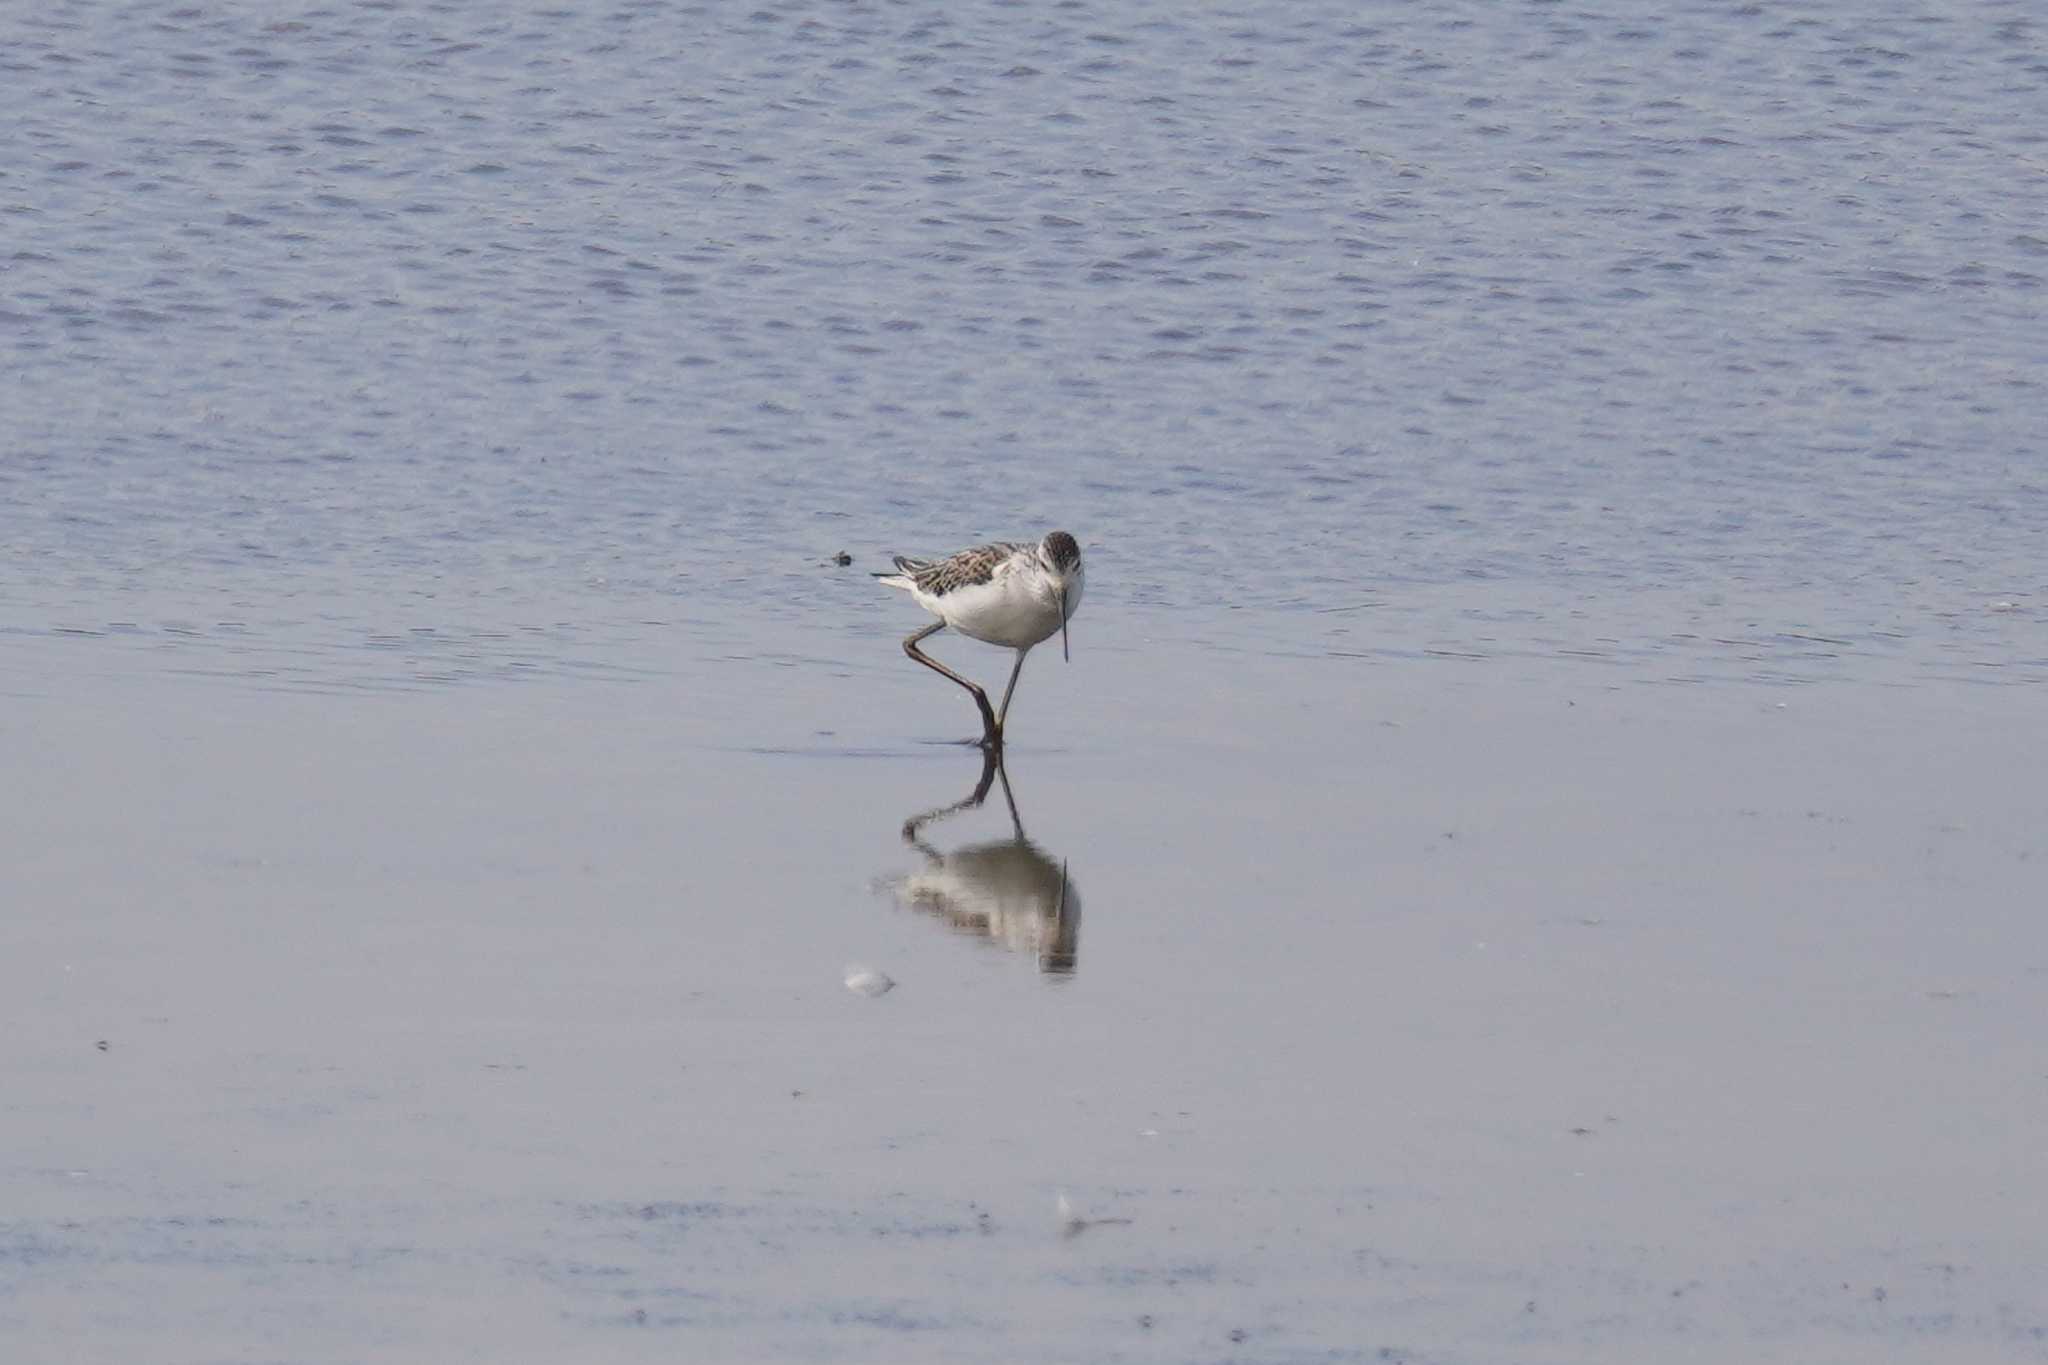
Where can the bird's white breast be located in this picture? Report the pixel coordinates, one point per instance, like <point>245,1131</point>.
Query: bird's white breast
<point>1016,608</point>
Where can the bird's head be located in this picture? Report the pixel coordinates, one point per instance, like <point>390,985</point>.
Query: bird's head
<point>1061,555</point>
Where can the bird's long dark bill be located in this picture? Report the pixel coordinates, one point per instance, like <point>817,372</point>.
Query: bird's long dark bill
<point>1063,630</point>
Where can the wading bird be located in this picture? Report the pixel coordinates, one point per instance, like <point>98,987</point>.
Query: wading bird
<point>1012,594</point>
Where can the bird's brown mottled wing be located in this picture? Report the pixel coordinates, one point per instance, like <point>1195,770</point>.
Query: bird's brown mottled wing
<point>965,569</point>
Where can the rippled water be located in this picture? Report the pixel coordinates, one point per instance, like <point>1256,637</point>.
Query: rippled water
<point>1474,416</point>
<point>1279,307</point>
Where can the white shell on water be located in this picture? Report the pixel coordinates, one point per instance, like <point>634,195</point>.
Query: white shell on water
<point>867,981</point>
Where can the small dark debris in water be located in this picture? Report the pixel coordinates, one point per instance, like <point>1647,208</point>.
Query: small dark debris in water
<point>1878,1294</point>
<point>842,559</point>
<point>101,1045</point>
<point>1146,1320</point>
<point>1237,1335</point>
<point>640,1317</point>
<point>673,1211</point>
<point>1529,1307</point>
<point>796,1094</point>
<point>1072,1224</point>
<point>1582,1132</point>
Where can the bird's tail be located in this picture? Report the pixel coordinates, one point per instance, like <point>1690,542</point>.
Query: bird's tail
<point>906,572</point>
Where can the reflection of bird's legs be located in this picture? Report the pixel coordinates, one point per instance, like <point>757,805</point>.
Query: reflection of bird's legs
<point>1003,711</point>
<point>991,765</point>
<point>1008,799</point>
<point>991,728</point>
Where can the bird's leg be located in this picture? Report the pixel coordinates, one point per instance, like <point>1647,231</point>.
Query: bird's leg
<point>1003,713</point>
<point>991,729</point>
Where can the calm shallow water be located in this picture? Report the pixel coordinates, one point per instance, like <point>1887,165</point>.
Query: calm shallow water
<point>1549,763</point>
<point>1442,1019</point>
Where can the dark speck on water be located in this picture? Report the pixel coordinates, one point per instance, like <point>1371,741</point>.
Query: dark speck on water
<point>1609,434</point>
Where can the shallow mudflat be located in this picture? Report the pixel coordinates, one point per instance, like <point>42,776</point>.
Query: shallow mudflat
<point>1447,1007</point>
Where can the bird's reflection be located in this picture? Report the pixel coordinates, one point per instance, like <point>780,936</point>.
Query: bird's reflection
<point>1008,890</point>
